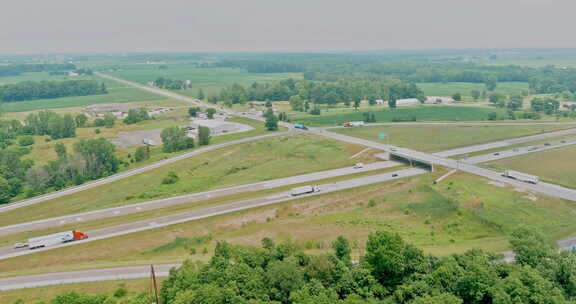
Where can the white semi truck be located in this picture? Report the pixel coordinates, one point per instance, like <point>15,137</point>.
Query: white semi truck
<point>305,190</point>
<point>523,177</point>
<point>56,238</point>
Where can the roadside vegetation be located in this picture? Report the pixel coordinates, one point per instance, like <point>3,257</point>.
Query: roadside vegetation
<point>435,138</point>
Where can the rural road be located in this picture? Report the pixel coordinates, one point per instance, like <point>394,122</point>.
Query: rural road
<point>129,173</point>
<point>188,198</point>
<point>113,231</point>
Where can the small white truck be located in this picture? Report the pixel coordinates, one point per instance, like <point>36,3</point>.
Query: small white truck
<point>305,190</point>
<point>523,177</point>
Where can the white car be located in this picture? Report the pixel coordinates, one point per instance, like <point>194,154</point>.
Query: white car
<point>359,166</point>
<point>20,245</point>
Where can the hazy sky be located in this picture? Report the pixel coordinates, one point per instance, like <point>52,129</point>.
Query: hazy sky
<point>43,26</point>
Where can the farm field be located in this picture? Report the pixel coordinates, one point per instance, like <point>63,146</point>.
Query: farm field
<point>239,164</point>
<point>461,212</point>
<point>556,166</point>
<point>464,88</point>
<point>435,138</point>
<point>210,80</point>
<point>416,113</point>
<point>34,295</point>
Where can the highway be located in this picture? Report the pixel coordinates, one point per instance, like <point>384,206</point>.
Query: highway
<point>119,176</point>
<point>118,230</point>
<point>189,198</point>
<point>543,188</point>
<point>519,151</point>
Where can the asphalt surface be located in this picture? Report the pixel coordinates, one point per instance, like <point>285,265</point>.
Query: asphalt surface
<point>83,276</point>
<point>189,198</point>
<point>505,143</point>
<point>543,188</point>
<point>519,151</point>
<point>113,231</point>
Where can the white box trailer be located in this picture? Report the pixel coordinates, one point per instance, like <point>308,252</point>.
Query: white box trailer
<point>357,123</point>
<point>304,190</point>
<point>56,238</point>
<point>523,177</point>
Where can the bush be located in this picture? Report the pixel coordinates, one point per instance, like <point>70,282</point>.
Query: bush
<point>171,178</point>
<point>26,141</point>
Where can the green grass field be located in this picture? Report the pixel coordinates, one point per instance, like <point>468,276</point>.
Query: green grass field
<point>434,138</point>
<point>420,113</point>
<point>460,213</point>
<point>240,164</point>
<point>555,166</point>
<point>210,80</point>
<point>464,88</point>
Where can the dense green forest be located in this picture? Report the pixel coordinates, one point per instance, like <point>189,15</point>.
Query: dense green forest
<point>17,69</point>
<point>29,90</point>
<point>390,271</point>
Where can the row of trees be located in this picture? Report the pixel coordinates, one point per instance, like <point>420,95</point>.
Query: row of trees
<point>170,84</point>
<point>29,90</point>
<point>136,116</point>
<point>17,69</point>
<point>390,272</point>
<point>344,91</point>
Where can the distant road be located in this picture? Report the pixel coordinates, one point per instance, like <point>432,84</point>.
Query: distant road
<point>519,151</point>
<point>188,198</point>
<point>458,123</point>
<point>83,276</point>
<point>108,232</point>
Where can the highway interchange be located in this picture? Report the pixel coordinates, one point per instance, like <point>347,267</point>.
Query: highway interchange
<point>440,158</point>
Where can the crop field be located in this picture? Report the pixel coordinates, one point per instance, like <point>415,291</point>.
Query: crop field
<point>464,88</point>
<point>239,164</point>
<point>435,138</point>
<point>461,212</point>
<point>417,113</point>
<point>39,294</point>
<point>556,166</point>
<point>210,80</point>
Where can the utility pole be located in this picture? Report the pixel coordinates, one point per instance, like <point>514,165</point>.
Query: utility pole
<point>154,285</point>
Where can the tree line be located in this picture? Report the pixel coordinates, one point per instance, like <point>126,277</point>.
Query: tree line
<point>391,271</point>
<point>316,92</point>
<point>30,90</point>
<point>17,69</point>
<point>170,84</point>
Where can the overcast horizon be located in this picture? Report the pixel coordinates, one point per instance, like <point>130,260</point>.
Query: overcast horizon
<point>65,26</point>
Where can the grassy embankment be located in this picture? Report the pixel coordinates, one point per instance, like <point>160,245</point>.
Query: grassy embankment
<point>239,164</point>
<point>556,165</point>
<point>434,138</point>
<point>461,212</point>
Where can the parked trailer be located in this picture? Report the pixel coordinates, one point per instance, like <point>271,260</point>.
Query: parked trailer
<point>300,126</point>
<point>304,190</point>
<point>523,177</point>
<point>56,238</point>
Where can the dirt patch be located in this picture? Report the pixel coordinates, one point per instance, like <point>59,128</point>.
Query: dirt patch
<point>497,184</point>
<point>137,138</point>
